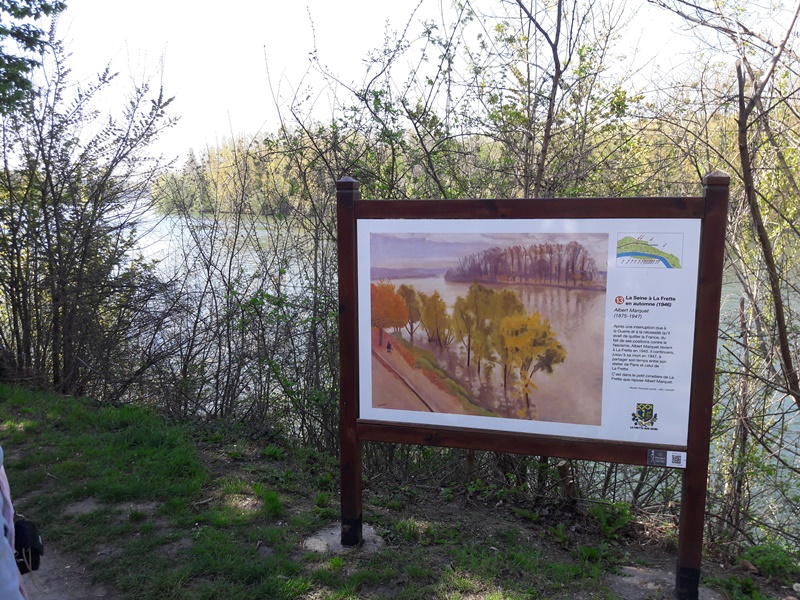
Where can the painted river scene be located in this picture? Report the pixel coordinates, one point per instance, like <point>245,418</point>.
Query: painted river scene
<point>499,325</point>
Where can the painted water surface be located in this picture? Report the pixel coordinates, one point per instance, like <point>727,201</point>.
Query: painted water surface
<point>518,331</point>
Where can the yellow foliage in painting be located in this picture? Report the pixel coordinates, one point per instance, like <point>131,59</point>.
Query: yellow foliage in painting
<point>435,319</point>
<point>531,346</point>
<point>531,343</point>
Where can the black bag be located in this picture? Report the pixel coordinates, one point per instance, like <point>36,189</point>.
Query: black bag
<point>28,547</point>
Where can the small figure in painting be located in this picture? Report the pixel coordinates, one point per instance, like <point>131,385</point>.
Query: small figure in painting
<point>388,346</point>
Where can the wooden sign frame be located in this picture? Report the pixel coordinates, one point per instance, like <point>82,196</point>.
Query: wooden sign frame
<point>710,209</point>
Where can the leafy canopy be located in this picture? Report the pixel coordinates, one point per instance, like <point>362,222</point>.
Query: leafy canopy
<point>20,39</point>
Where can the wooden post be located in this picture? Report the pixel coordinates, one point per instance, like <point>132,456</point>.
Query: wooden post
<point>695,477</point>
<point>350,448</point>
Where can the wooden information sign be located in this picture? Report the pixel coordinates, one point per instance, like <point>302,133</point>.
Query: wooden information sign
<point>570,327</point>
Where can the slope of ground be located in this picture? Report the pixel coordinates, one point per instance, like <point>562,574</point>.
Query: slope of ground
<point>131,506</point>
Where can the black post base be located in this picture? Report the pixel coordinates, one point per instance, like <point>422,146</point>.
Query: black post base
<point>352,531</point>
<point>687,583</point>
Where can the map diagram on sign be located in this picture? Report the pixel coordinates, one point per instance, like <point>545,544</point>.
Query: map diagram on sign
<point>650,250</point>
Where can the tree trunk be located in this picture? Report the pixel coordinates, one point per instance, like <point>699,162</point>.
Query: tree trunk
<point>787,363</point>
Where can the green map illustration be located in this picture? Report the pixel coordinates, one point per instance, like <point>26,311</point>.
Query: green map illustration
<point>649,250</point>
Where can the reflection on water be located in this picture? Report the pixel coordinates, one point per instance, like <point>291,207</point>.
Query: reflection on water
<point>572,393</point>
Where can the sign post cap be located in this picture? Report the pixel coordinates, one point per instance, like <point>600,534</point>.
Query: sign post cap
<point>347,183</point>
<point>717,178</point>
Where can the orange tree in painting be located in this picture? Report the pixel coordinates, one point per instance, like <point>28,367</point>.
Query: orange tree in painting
<point>388,308</point>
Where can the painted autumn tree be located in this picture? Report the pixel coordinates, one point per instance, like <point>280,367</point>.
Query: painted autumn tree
<point>435,319</point>
<point>409,296</point>
<point>506,305</point>
<point>464,325</point>
<point>532,346</point>
<point>479,301</point>
<point>579,266</point>
<point>388,307</point>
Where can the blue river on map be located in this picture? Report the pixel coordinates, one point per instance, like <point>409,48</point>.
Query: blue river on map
<point>643,255</point>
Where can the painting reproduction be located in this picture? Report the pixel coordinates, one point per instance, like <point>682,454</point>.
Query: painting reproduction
<point>503,324</point>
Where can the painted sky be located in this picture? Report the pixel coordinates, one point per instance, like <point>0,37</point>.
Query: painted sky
<point>442,250</point>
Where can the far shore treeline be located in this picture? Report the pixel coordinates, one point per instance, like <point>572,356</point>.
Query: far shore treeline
<point>546,264</point>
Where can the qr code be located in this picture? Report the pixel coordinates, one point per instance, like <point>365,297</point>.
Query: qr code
<point>677,459</point>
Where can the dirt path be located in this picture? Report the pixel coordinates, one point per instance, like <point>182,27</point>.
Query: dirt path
<point>391,385</point>
<point>407,386</point>
<point>60,578</point>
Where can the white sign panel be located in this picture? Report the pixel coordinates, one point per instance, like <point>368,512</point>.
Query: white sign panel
<point>568,327</point>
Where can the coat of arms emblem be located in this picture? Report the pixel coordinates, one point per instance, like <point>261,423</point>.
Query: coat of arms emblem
<point>644,415</point>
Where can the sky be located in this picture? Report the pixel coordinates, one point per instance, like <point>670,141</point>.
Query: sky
<point>218,59</point>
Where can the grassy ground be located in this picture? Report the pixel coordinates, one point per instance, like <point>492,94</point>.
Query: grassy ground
<point>160,510</point>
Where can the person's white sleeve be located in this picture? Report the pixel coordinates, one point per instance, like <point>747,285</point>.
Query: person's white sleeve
<point>9,573</point>
<point>11,586</point>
